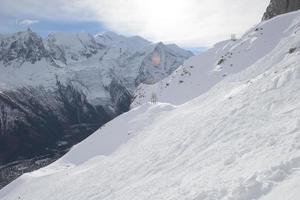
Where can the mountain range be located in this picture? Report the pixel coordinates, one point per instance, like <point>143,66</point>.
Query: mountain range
<point>94,62</point>
<point>56,91</point>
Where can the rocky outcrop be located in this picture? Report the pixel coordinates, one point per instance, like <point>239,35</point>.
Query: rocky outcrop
<point>121,97</point>
<point>278,7</point>
<point>160,62</point>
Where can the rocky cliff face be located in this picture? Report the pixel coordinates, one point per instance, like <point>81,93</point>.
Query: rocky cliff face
<point>22,47</point>
<point>278,7</point>
<point>161,62</point>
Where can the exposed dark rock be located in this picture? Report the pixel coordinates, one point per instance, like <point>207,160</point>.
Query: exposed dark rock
<point>160,63</point>
<point>34,121</point>
<point>121,97</point>
<point>22,47</point>
<point>278,7</point>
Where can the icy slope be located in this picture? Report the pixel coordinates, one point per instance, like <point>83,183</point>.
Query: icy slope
<point>238,141</point>
<point>199,73</point>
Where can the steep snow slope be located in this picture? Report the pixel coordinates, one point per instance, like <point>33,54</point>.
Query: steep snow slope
<point>238,141</point>
<point>199,73</point>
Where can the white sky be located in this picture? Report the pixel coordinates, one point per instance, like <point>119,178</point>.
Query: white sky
<point>188,23</point>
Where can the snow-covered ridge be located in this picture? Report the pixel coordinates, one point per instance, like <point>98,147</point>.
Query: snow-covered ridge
<point>199,73</point>
<point>92,62</point>
<point>239,140</point>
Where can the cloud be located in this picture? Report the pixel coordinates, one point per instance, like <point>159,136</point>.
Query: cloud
<point>27,22</point>
<point>55,10</point>
<point>189,23</point>
<point>186,22</point>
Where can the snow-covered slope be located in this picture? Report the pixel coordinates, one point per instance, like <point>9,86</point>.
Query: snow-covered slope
<point>199,73</point>
<point>240,140</point>
<point>91,62</point>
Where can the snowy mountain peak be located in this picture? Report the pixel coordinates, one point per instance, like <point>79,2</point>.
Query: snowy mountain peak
<point>70,47</point>
<point>134,43</point>
<point>26,46</point>
<point>153,67</point>
<point>92,62</point>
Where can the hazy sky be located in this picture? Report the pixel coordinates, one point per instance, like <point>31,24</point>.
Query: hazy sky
<point>188,23</point>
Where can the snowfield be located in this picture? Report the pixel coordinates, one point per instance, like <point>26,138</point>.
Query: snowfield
<point>233,137</point>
